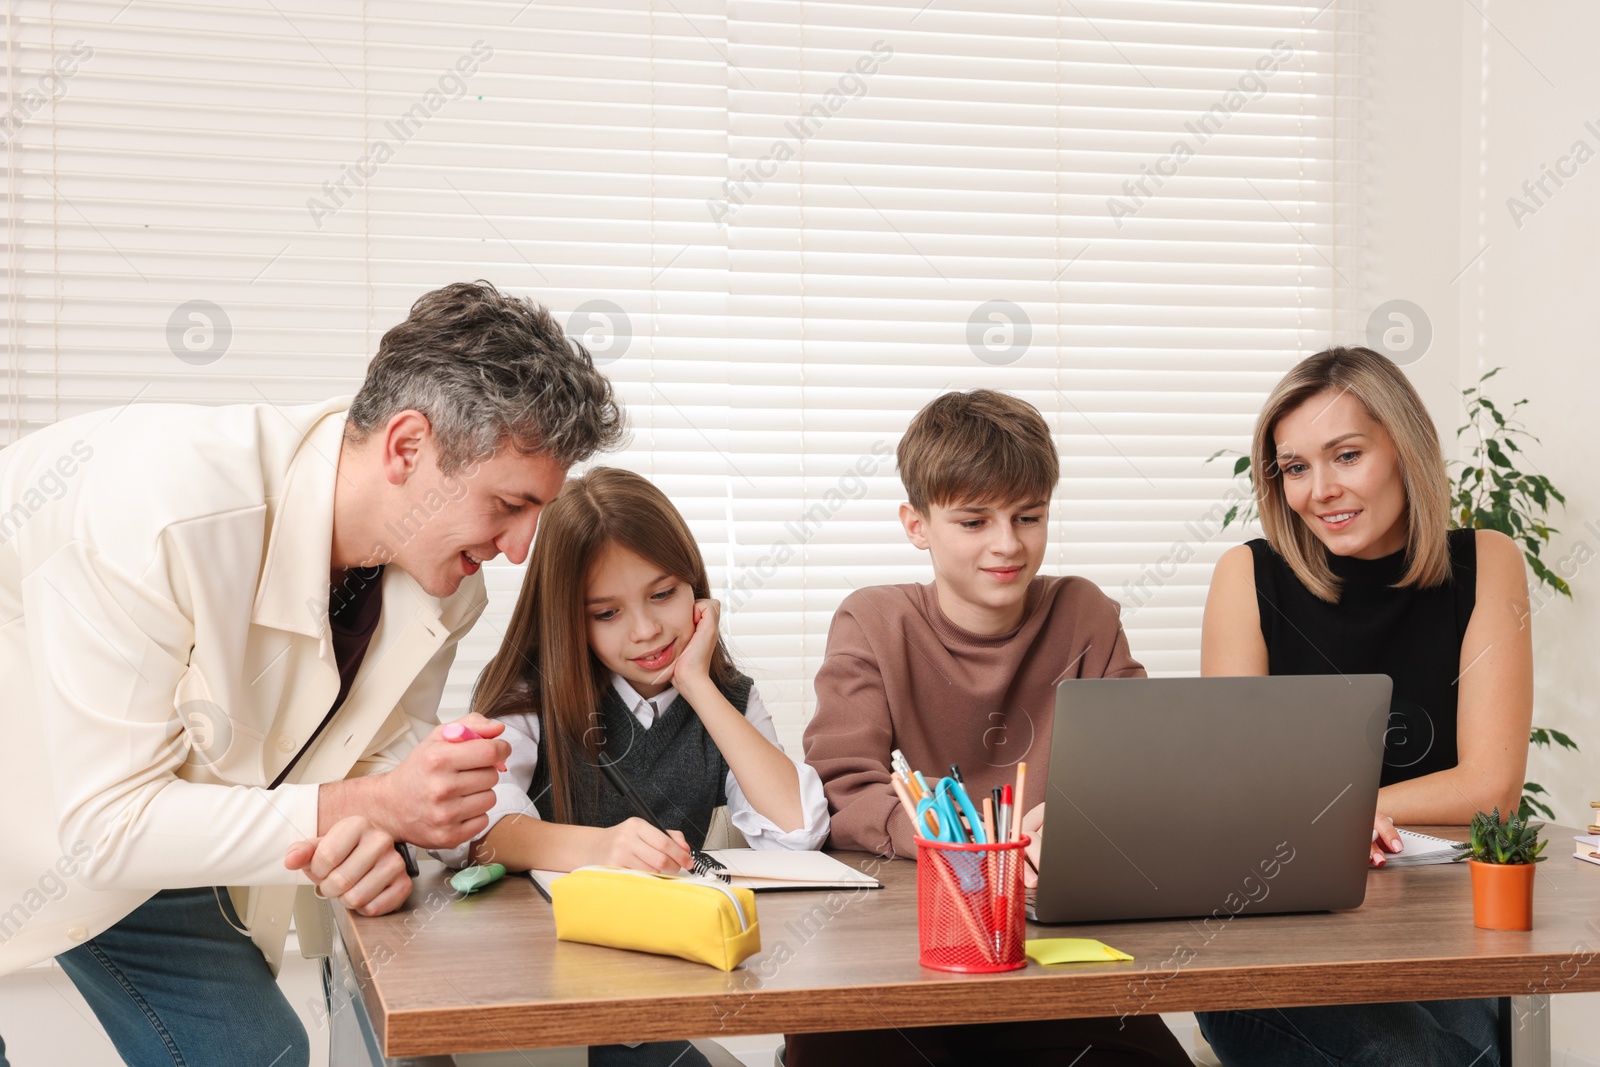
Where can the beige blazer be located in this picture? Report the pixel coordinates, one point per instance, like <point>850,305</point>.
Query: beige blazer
<point>164,653</point>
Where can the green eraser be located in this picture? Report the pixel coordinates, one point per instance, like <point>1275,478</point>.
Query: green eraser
<point>472,879</point>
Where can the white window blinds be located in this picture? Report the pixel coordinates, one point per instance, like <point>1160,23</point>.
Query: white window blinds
<point>782,226</point>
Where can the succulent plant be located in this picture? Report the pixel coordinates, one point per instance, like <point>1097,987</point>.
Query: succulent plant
<point>1493,841</point>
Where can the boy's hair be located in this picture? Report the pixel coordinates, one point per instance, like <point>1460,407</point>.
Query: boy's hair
<point>544,663</point>
<point>488,368</point>
<point>978,447</point>
<point>1386,393</point>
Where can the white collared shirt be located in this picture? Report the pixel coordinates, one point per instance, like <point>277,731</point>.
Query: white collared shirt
<point>522,733</point>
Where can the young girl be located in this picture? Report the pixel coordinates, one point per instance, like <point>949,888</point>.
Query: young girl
<point>1358,574</point>
<point>614,646</point>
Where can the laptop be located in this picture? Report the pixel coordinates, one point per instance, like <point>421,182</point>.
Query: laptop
<point>1210,797</point>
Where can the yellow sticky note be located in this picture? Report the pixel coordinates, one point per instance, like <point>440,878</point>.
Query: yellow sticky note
<point>1072,950</point>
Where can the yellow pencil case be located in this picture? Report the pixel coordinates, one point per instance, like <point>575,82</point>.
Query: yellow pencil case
<point>691,918</point>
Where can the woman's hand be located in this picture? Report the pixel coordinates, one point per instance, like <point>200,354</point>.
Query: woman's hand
<point>1032,828</point>
<point>637,845</point>
<point>1385,839</point>
<point>693,665</point>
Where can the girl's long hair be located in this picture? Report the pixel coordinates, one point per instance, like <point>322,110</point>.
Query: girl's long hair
<point>1382,388</point>
<point>544,664</point>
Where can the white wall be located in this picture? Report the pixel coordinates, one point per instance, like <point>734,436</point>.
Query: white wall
<point>1468,106</point>
<point>1462,117</point>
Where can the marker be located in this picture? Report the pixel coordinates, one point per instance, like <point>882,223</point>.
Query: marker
<point>455,731</point>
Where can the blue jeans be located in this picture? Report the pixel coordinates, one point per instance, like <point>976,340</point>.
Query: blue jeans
<point>175,985</point>
<point>1428,1033</point>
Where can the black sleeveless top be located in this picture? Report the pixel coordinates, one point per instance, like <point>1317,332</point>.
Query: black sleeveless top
<point>1412,635</point>
<point>674,765</point>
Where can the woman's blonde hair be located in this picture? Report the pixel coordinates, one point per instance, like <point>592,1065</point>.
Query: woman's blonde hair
<point>1392,402</point>
<point>545,664</point>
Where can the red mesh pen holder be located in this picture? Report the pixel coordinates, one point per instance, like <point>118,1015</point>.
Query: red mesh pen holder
<point>970,907</point>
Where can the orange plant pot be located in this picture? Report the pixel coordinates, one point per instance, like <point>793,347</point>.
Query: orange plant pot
<point>1502,895</point>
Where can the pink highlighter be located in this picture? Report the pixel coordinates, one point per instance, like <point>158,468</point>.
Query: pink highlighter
<point>454,731</point>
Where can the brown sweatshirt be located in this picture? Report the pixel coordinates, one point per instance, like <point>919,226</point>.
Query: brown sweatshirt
<point>898,674</point>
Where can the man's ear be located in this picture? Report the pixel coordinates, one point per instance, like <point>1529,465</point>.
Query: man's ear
<point>405,438</point>
<point>916,526</point>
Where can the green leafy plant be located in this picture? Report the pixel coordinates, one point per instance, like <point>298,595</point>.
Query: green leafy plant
<point>1493,841</point>
<point>1542,736</point>
<point>1489,493</point>
<point>1246,512</point>
<point>1492,494</point>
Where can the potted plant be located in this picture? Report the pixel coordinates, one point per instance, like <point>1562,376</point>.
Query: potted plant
<point>1502,855</point>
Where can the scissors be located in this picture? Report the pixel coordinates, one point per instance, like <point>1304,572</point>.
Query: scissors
<point>946,799</point>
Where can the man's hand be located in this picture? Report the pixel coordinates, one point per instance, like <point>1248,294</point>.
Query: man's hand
<point>355,863</point>
<point>442,791</point>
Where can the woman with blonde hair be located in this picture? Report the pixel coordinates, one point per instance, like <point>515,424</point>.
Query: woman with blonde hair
<point>1359,573</point>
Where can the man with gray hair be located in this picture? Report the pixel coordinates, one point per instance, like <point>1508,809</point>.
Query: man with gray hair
<point>222,648</point>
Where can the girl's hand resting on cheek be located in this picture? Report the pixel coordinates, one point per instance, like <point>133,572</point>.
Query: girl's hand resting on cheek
<point>637,845</point>
<point>693,665</point>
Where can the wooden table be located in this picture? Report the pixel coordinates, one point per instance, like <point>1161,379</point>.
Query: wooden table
<point>450,974</point>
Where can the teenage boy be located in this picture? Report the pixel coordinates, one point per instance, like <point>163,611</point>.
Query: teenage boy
<point>963,670</point>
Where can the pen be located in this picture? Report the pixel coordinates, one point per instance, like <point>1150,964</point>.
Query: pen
<point>1007,810</point>
<point>704,865</point>
<point>997,798</point>
<point>972,829</point>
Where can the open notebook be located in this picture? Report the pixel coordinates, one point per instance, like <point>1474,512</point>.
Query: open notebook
<point>1421,849</point>
<point>762,869</point>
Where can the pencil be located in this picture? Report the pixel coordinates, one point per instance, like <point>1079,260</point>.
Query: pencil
<point>909,787</point>
<point>992,864</point>
<point>905,799</point>
<point>1020,801</point>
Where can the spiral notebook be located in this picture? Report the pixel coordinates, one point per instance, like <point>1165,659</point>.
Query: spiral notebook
<point>763,869</point>
<point>1420,850</point>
